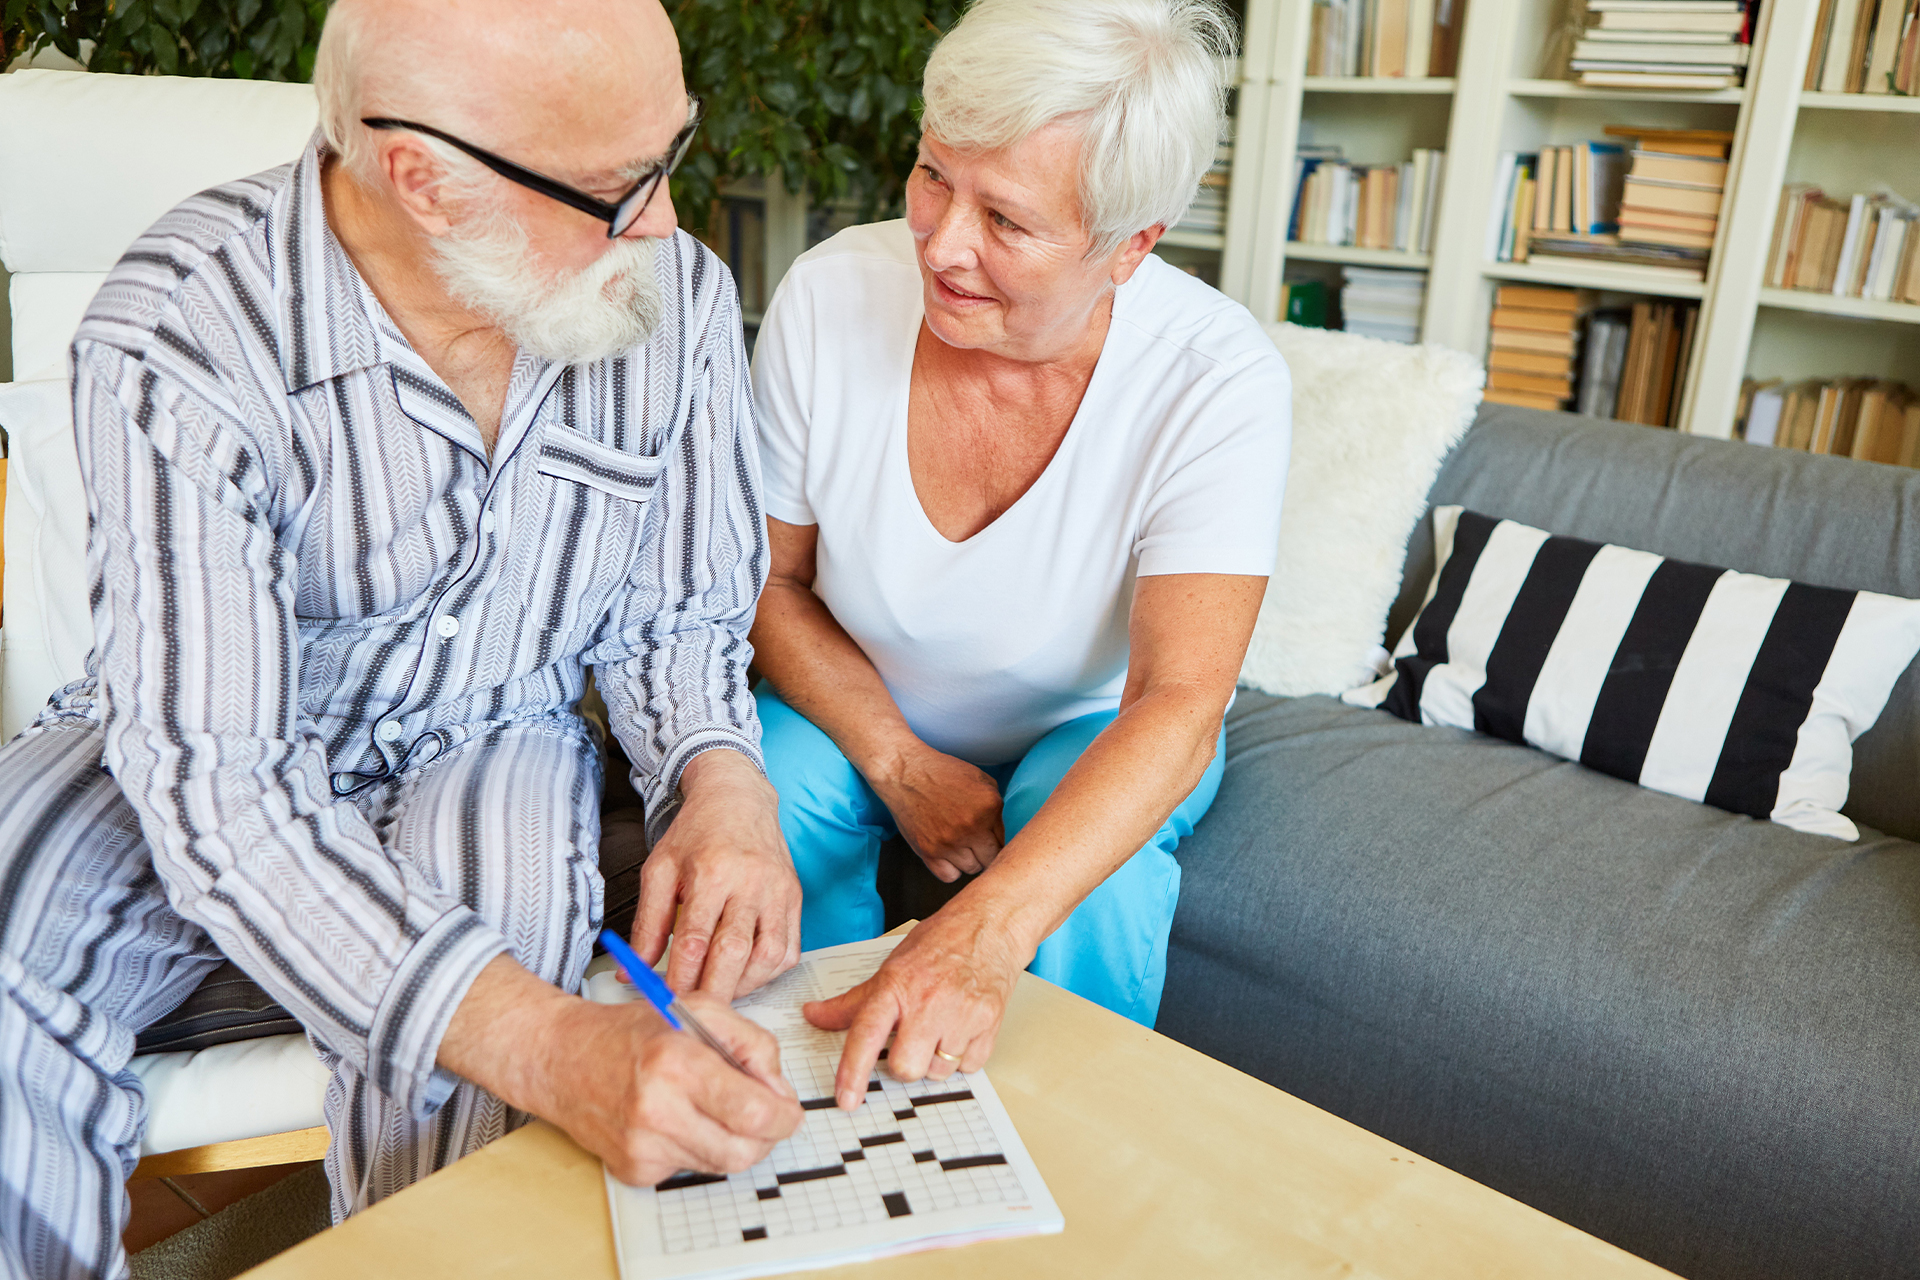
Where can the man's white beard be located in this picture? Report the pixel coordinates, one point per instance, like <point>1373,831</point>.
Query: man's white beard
<point>576,317</point>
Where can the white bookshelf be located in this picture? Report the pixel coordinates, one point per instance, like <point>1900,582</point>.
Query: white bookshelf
<point>1883,102</point>
<point>1505,97</point>
<point>1833,305</point>
<point>1605,276</point>
<point>1352,255</point>
<point>1536,88</point>
<point>1845,142</point>
<point>1416,86</point>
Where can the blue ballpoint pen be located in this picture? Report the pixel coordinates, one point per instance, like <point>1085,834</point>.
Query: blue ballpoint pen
<point>661,997</point>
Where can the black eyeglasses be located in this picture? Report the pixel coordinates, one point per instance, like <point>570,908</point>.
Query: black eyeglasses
<point>619,215</point>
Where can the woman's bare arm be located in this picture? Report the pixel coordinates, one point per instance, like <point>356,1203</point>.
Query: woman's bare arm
<point>948,810</point>
<point>947,984</point>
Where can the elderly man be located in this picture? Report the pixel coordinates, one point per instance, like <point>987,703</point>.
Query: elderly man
<point>384,450</point>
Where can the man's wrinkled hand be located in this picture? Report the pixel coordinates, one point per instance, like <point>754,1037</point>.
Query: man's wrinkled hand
<point>947,810</point>
<point>651,1101</point>
<point>723,865</point>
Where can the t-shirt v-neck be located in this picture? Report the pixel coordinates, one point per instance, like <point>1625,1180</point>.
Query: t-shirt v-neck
<point>904,433</point>
<point>1175,463</point>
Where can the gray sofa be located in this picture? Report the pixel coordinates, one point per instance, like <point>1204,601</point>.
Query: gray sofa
<point>1690,1033</point>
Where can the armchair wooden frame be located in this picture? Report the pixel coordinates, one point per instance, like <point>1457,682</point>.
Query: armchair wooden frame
<point>294,1147</point>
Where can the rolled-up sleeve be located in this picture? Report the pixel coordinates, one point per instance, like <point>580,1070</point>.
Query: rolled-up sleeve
<point>673,668</point>
<point>199,656</point>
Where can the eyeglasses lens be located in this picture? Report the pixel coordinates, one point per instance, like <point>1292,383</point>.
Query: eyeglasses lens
<point>634,205</point>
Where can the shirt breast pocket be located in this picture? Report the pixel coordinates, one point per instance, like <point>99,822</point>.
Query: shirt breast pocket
<point>570,456</point>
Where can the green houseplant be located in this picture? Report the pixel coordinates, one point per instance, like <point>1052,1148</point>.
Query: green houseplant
<point>819,93</point>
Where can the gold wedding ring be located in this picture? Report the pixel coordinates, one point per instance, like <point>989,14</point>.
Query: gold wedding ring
<point>941,1053</point>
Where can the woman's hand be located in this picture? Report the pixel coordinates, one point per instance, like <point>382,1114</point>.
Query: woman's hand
<point>948,811</point>
<point>945,988</point>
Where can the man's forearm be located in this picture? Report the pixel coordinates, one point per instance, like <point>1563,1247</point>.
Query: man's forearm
<point>503,1031</point>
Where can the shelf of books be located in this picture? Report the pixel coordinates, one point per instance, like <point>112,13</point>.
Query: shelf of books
<point>1687,188</point>
<point>1609,356</point>
<point>1874,419</point>
<point>1829,295</point>
<point>1868,48</point>
<point>1353,160</point>
<point>1613,133</point>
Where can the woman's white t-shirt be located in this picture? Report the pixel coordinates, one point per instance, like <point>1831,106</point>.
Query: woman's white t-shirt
<point>1175,463</point>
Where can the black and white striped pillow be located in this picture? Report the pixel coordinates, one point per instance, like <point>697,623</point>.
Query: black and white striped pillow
<point>1729,688</point>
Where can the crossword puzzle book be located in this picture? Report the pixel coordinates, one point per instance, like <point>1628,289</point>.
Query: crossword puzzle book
<point>919,1166</point>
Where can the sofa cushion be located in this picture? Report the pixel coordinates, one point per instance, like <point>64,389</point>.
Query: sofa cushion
<point>1687,1031</point>
<point>1732,689</point>
<point>1828,522</point>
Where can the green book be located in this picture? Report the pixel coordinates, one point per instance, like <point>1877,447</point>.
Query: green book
<point>1304,302</point>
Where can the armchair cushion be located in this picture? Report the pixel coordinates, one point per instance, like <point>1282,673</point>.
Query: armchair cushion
<point>88,162</point>
<point>49,628</point>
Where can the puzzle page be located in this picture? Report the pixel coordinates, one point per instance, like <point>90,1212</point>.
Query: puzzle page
<point>917,1166</point>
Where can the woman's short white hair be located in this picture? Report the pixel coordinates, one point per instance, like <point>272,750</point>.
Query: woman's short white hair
<point>1147,77</point>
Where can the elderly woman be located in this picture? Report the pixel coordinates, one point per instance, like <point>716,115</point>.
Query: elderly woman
<point>1023,485</point>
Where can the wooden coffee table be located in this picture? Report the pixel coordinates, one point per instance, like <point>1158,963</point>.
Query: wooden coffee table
<point>1166,1164</point>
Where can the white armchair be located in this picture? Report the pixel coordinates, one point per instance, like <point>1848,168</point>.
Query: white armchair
<point>88,162</point>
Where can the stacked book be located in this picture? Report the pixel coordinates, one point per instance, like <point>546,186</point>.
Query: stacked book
<point>1847,417</point>
<point>1382,303</point>
<point>1208,212</point>
<point>1863,247</point>
<point>1656,206</point>
<point>1634,363</point>
<point>1384,37</point>
<point>1664,44</point>
<point>1865,46</point>
<point>1673,189</point>
<point>1377,206</point>
<point>1536,334</point>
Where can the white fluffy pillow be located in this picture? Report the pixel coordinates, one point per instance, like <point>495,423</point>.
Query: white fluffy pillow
<point>1372,421</point>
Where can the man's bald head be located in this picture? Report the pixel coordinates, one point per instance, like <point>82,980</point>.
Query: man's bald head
<point>572,87</point>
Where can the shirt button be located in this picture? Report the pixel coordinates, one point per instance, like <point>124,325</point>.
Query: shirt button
<point>389,731</point>
<point>486,522</point>
<point>448,627</point>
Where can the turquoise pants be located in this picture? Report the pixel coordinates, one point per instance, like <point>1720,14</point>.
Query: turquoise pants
<point>1112,949</point>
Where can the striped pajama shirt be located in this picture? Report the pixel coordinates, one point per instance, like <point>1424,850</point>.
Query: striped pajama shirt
<point>327,726</point>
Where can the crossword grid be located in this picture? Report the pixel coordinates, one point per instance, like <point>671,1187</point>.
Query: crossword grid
<point>910,1148</point>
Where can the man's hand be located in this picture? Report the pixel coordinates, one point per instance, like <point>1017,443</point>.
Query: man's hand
<point>651,1101</point>
<point>945,987</point>
<point>646,1099</point>
<point>948,811</point>
<point>725,866</point>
